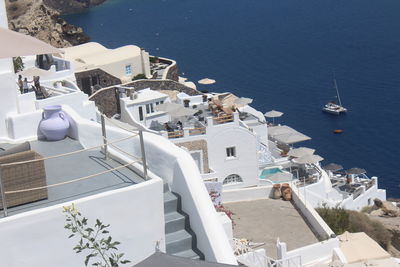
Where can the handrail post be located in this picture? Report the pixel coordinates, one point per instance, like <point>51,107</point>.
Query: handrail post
<point>104,133</point>
<point>143,154</point>
<point>3,197</point>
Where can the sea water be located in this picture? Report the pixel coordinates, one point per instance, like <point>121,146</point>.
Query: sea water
<point>283,54</point>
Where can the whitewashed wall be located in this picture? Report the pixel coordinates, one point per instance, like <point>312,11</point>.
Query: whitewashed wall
<point>219,137</point>
<point>176,167</point>
<point>130,112</point>
<point>38,238</point>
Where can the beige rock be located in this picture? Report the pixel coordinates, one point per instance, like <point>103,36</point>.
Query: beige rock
<point>378,212</point>
<point>389,209</point>
<point>59,28</point>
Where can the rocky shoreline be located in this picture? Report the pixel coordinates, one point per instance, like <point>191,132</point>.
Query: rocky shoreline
<point>42,19</point>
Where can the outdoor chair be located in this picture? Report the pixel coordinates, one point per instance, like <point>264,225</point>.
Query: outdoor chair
<point>22,176</point>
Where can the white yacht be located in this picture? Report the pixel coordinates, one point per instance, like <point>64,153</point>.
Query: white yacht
<point>332,107</point>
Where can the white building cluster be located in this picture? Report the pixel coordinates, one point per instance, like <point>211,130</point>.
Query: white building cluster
<point>187,140</point>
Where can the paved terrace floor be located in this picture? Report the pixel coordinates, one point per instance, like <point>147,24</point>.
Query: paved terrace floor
<point>75,166</point>
<point>265,220</point>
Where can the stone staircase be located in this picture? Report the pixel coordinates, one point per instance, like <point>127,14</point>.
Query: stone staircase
<point>180,240</point>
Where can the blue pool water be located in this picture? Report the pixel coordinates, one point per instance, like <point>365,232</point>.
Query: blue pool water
<point>266,172</point>
<point>282,53</point>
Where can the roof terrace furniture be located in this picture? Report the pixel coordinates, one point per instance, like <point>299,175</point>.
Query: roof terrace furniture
<point>22,176</point>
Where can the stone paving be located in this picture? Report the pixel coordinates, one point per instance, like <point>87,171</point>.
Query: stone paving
<point>265,220</point>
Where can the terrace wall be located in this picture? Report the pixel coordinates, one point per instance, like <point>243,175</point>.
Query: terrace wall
<point>38,237</point>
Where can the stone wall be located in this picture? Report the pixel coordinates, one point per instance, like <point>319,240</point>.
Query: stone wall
<point>162,85</point>
<point>107,102</point>
<point>198,145</point>
<point>172,72</point>
<point>106,99</point>
<point>105,79</point>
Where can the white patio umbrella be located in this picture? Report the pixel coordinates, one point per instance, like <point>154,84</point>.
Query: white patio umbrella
<point>168,106</point>
<point>278,130</point>
<point>333,167</point>
<point>242,101</point>
<point>300,152</point>
<point>182,112</point>
<point>309,159</point>
<point>273,114</point>
<point>14,44</point>
<point>356,171</point>
<point>291,138</point>
<point>206,81</point>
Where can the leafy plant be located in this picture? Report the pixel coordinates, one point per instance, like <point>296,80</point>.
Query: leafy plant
<point>341,220</point>
<point>93,239</point>
<point>139,76</point>
<point>228,212</point>
<point>18,64</point>
<point>154,59</point>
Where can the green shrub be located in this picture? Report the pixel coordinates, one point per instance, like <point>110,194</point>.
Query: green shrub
<point>154,59</point>
<point>139,76</point>
<point>341,220</point>
<point>18,64</point>
<point>336,218</point>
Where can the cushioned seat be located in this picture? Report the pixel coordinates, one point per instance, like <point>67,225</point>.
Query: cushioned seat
<point>22,176</point>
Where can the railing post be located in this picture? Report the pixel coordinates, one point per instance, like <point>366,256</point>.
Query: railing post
<point>143,154</point>
<point>3,197</point>
<point>104,133</point>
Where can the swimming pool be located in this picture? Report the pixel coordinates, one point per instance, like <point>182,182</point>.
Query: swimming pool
<point>268,171</point>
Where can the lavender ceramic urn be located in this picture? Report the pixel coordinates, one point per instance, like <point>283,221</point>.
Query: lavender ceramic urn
<point>54,124</point>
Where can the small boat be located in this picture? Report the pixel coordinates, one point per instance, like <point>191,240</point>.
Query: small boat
<point>332,107</point>
<point>338,131</point>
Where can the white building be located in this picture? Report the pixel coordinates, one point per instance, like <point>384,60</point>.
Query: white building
<point>140,107</point>
<point>226,148</point>
<point>140,209</point>
<point>97,65</point>
<point>233,148</point>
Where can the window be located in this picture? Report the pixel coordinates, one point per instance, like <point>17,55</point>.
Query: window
<point>231,152</point>
<point>128,69</point>
<point>140,113</point>
<point>162,102</point>
<point>149,108</point>
<point>232,179</point>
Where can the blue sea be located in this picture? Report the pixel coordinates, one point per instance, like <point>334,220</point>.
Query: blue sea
<point>283,53</point>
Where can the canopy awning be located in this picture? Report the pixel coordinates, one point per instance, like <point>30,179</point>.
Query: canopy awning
<point>283,129</point>
<point>14,44</point>
<point>182,111</point>
<point>242,101</point>
<point>309,159</point>
<point>291,138</point>
<point>168,106</point>
<point>300,152</point>
<point>333,167</point>
<point>273,114</point>
<point>356,171</point>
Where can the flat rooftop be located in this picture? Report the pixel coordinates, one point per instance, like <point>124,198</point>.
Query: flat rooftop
<point>266,220</point>
<point>74,166</point>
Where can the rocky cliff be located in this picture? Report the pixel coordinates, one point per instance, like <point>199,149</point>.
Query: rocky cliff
<point>71,6</point>
<point>41,19</point>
